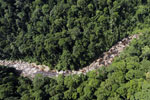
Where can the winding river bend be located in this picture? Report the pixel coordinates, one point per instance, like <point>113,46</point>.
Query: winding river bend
<point>31,69</point>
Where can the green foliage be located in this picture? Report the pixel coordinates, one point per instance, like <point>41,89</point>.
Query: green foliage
<point>70,34</point>
<point>67,34</point>
<point>8,83</point>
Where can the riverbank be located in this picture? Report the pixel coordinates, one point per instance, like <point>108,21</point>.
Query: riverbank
<point>31,69</point>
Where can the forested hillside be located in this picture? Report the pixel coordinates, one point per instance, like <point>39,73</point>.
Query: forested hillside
<point>66,34</point>
<point>128,78</point>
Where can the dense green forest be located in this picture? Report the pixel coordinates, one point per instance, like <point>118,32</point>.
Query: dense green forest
<point>128,78</point>
<point>66,34</point>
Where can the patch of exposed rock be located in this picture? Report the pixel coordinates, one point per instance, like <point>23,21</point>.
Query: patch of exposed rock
<point>31,69</point>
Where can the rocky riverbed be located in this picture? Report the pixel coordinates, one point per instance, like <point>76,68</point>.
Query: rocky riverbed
<point>31,69</point>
